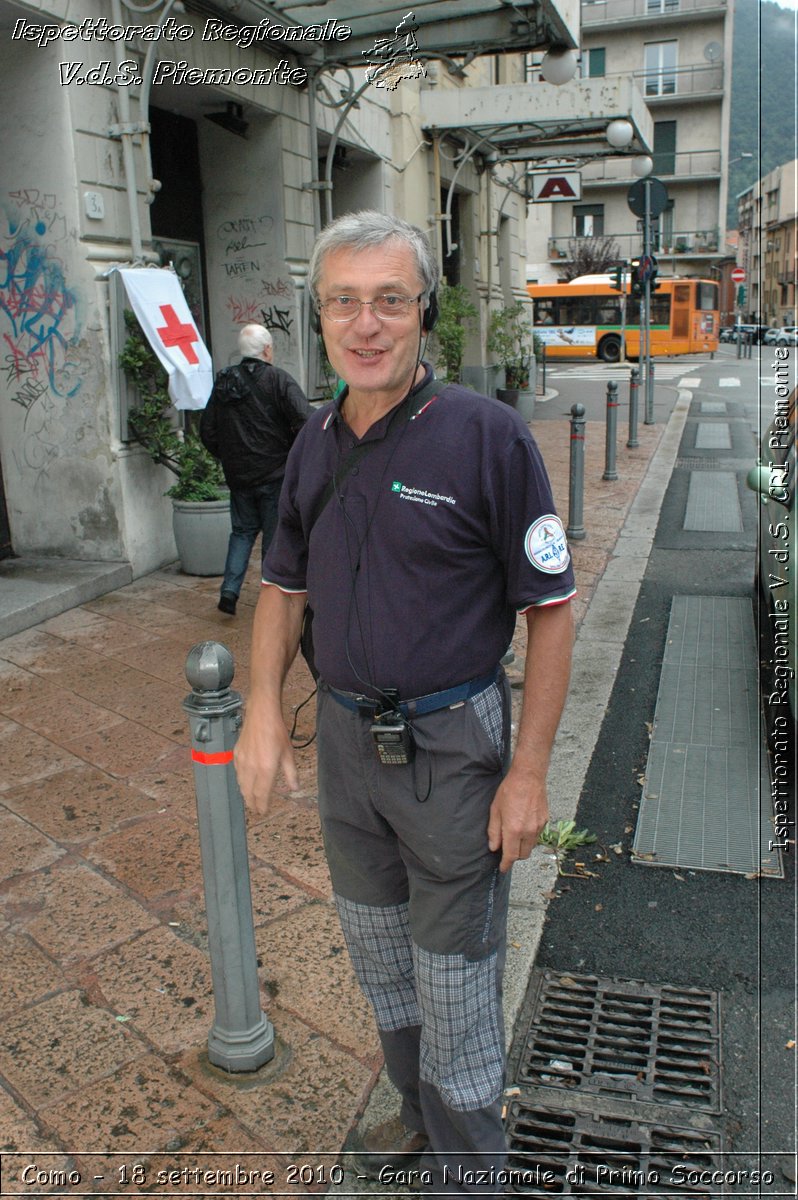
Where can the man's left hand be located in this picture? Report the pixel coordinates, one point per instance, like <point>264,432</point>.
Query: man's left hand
<point>518,813</point>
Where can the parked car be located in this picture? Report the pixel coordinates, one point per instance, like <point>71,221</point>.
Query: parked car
<point>756,332</point>
<point>787,335</point>
<point>726,334</point>
<point>770,337</point>
<point>774,478</point>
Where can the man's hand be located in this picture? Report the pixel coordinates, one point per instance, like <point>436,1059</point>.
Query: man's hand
<point>518,813</point>
<point>520,808</point>
<point>264,748</point>
<point>262,752</point>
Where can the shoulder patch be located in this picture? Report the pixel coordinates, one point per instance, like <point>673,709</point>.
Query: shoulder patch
<point>546,546</point>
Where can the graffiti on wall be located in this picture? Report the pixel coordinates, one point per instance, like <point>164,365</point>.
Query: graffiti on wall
<point>39,313</point>
<point>41,362</point>
<point>247,257</point>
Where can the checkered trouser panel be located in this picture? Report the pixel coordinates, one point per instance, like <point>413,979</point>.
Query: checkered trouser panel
<point>488,707</point>
<point>461,1029</point>
<point>379,945</point>
<point>455,1002</point>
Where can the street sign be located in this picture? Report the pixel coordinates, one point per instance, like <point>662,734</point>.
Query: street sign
<point>741,296</point>
<point>657,197</point>
<point>555,185</point>
<point>738,275</point>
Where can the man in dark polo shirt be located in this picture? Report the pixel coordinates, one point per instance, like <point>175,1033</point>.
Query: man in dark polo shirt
<point>416,563</point>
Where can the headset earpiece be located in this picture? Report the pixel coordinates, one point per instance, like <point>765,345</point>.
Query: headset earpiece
<point>431,313</point>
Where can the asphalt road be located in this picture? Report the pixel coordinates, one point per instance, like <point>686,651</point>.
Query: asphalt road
<point>711,930</point>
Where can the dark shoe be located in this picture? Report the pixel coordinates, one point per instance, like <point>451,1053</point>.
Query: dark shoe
<point>390,1144</point>
<point>227,603</point>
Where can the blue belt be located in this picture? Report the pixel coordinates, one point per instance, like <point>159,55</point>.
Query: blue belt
<point>368,707</point>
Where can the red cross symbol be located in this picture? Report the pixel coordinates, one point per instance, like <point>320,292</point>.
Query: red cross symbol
<point>175,334</point>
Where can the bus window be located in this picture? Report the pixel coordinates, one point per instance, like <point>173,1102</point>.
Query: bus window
<point>707,296</point>
<point>577,310</point>
<point>544,314</point>
<point>661,308</point>
<point>609,311</point>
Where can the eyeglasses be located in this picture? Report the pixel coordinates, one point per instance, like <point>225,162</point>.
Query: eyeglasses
<point>388,308</point>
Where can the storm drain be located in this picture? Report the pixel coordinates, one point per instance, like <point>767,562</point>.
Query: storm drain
<point>706,796</point>
<point>576,1154</point>
<point>620,1039</point>
<point>716,436</point>
<point>613,1087</point>
<point>713,505</point>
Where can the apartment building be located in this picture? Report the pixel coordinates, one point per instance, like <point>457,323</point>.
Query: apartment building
<point>219,136</point>
<point>768,246</point>
<point>679,55</point>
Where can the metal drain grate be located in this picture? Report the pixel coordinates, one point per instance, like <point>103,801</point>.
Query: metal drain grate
<point>714,464</point>
<point>577,1154</point>
<point>620,1038</point>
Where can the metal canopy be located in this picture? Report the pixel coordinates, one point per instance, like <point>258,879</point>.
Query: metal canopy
<point>540,121</point>
<point>442,28</point>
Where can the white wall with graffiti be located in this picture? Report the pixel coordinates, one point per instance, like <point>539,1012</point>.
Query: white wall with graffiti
<point>60,484</point>
<point>74,486</point>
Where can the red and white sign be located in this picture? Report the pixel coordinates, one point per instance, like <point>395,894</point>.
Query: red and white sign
<point>549,186</point>
<point>738,275</point>
<point>157,299</point>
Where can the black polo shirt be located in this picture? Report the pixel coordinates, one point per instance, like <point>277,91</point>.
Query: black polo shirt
<point>418,564</point>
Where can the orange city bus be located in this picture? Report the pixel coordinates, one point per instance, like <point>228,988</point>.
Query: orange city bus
<point>584,319</point>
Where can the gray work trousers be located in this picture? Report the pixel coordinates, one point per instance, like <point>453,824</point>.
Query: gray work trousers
<point>423,908</point>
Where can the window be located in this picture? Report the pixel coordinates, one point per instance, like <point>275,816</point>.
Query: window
<point>594,63</point>
<point>664,148</point>
<point>660,68</point>
<point>662,6</point>
<point>588,220</point>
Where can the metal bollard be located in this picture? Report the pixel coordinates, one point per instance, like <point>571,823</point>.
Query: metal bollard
<point>576,482</point>
<point>634,396</point>
<point>649,417</point>
<point>241,1039</point>
<point>543,362</point>
<point>612,431</point>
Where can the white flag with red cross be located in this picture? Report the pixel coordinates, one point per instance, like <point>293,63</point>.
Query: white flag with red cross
<point>157,299</point>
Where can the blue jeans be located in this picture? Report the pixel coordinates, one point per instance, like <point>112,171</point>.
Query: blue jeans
<point>251,513</point>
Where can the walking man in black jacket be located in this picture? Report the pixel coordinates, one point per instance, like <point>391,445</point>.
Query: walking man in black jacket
<point>254,413</point>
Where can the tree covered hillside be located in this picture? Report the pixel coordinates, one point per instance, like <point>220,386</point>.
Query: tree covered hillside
<point>763,110</point>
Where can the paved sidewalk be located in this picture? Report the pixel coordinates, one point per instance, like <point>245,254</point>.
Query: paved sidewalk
<point>105,994</point>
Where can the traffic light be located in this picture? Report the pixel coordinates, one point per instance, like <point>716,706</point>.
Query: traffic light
<point>654,284</point>
<point>637,282</point>
<point>616,282</point>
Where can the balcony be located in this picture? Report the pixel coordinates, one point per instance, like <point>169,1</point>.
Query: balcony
<point>688,164</point>
<point>696,243</point>
<point>600,13</point>
<point>699,82</point>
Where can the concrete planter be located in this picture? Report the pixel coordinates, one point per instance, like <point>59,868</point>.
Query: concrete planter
<point>508,396</point>
<point>202,531</point>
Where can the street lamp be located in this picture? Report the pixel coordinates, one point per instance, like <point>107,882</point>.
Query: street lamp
<point>642,165</point>
<point>558,65</point>
<point>619,134</point>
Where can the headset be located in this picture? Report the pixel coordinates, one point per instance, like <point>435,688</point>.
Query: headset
<point>428,321</point>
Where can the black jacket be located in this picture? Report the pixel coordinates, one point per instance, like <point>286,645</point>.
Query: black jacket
<point>251,419</point>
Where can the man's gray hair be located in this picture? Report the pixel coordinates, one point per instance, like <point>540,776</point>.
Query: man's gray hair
<point>253,340</point>
<point>364,230</point>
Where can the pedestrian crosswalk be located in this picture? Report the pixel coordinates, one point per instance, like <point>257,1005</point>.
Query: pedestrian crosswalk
<point>619,371</point>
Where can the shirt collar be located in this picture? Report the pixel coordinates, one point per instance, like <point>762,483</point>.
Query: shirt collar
<point>335,418</point>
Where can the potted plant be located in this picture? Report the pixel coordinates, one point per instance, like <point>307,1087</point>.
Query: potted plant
<point>511,340</point>
<point>200,498</point>
<point>456,316</point>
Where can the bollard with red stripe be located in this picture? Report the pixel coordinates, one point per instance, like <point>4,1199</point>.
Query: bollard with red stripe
<point>576,480</point>
<point>611,431</point>
<point>241,1039</point>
